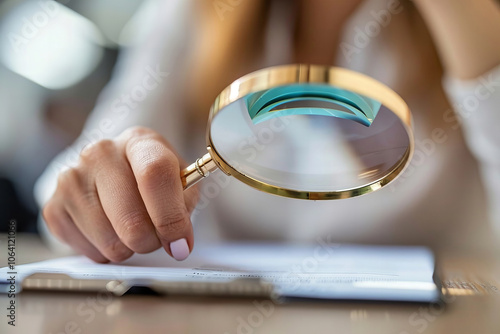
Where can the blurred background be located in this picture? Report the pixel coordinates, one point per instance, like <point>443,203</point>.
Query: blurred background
<point>55,57</point>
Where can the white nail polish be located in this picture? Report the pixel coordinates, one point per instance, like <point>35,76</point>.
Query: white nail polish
<point>179,249</point>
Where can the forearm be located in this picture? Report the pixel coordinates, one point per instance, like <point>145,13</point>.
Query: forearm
<point>466,33</point>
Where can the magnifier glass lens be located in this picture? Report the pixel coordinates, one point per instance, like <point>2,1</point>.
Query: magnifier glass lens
<point>316,142</point>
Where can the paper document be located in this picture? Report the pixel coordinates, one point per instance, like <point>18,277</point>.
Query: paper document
<point>324,271</point>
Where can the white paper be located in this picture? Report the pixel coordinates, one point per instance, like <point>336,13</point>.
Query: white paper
<point>323,271</point>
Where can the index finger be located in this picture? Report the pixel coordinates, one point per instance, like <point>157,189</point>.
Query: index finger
<point>157,172</point>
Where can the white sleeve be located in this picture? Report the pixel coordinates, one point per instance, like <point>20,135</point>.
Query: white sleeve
<point>477,104</point>
<point>143,90</point>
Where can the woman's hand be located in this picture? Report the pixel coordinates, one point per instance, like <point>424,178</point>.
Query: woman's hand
<point>125,196</point>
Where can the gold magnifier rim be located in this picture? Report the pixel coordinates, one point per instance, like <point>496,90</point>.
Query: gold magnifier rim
<point>300,74</point>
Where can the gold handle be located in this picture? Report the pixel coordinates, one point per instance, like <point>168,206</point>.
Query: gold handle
<point>197,171</point>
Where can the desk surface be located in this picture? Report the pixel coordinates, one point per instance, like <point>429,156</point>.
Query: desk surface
<point>473,306</point>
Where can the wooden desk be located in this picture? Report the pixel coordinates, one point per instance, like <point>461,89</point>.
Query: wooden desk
<point>471,309</point>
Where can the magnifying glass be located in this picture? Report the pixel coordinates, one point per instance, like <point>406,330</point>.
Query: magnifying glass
<point>308,132</point>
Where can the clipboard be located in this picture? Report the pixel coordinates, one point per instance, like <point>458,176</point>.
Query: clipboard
<point>240,288</point>
<point>279,272</point>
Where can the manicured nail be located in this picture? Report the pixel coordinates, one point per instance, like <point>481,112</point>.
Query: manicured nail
<point>179,249</point>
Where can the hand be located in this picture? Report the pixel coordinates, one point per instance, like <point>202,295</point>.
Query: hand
<point>124,196</point>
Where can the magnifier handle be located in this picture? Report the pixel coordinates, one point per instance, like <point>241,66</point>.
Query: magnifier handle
<point>197,171</point>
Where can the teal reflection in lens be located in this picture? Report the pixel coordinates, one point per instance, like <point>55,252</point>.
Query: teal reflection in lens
<point>310,99</point>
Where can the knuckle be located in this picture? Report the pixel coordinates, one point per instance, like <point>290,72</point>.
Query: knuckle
<point>53,223</point>
<point>69,176</point>
<point>68,180</point>
<point>137,131</point>
<point>48,212</point>
<point>97,150</point>
<point>74,187</point>
<point>157,172</point>
<point>134,230</point>
<point>115,250</point>
<point>172,224</point>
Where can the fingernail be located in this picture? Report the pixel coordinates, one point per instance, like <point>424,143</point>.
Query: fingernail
<point>179,249</point>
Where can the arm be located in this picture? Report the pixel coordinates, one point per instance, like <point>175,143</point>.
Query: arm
<point>467,35</point>
<point>466,32</point>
